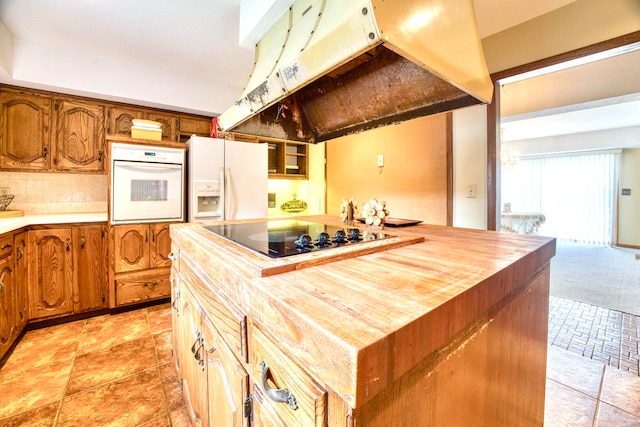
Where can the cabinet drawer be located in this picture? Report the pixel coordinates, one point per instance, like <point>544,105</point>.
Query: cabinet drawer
<point>230,322</point>
<point>273,372</point>
<point>6,245</point>
<point>142,287</point>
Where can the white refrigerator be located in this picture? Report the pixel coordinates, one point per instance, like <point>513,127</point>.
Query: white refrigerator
<point>226,179</point>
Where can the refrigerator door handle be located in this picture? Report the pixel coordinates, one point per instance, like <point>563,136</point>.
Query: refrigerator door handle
<point>229,206</point>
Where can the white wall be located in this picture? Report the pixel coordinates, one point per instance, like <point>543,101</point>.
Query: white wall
<point>6,50</point>
<point>604,139</point>
<point>470,167</point>
<point>49,67</point>
<point>629,206</point>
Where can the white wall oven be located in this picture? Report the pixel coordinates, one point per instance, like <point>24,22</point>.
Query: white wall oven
<point>147,184</point>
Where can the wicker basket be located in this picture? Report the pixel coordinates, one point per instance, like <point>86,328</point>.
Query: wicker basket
<point>5,200</point>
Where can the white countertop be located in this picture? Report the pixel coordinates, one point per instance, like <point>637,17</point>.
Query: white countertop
<point>13,223</point>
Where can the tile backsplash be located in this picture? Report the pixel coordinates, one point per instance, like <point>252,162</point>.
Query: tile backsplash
<point>54,193</point>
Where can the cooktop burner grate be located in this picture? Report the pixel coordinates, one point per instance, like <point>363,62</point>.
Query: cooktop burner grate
<point>281,238</point>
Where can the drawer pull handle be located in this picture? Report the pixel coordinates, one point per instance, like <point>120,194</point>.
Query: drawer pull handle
<point>199,342</point>
<point>281,395</point>
<point>6,245</point>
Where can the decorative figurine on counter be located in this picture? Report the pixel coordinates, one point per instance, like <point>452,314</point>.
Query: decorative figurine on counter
<point>348,211</point>
<point>375,213</point>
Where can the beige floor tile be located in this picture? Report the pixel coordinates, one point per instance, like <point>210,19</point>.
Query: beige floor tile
<point>43,385</point>
<point>128,402</point>
<point>567,407</point>
<point>180,418</point>
<point>171,386</point>
<point>608,416</point>
<point>44,416</point>
<point>575,371</point>
<point>100,367</point>
<point>159,318</point>
<point>164,347</point>
<point>103,332</point>
<point>622,390</point>
<point>52,344</point>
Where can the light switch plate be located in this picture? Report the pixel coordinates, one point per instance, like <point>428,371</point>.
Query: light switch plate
<point>626,191</point>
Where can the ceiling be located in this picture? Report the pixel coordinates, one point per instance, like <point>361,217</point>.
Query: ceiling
<point>196,39</point>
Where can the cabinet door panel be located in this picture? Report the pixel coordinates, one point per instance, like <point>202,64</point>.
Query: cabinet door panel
<point>92,282</point>
<point>142,286</point>
<point>24,131</point>
<point>227,380</point>
<point>80,138</point>
<point>121,120</point>
<point>310,399</point>
<point>50,273</point>
<point>131,247</point>
<point>168,122</point>
<point>160,245</point>
<point>20,281</point>
<point>194,374</point>
<point>7,304</point>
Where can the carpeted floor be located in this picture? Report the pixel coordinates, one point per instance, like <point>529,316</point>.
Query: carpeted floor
<point>602,276</point>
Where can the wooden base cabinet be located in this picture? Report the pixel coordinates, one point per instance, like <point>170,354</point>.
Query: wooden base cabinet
<point>214,381</point>
<point>66,270</point>
<point>140,267</point>
<point>50,273</point>
<point>13,301</point>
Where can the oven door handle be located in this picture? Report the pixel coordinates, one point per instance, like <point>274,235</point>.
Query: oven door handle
<point>157,167</point>
<point>147,169</point>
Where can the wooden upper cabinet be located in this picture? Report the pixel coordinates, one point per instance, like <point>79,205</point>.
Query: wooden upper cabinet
<point>24,131</point>
<point>50,272</point>
<point>193,126</point>
<point>121,119</point>
<point>169,124</point>
<point>79,136</point>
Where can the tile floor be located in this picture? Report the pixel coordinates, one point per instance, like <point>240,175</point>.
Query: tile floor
<point>117,370</point>
<point>111,370</point>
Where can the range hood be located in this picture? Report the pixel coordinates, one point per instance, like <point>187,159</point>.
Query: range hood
<point>329,68</point>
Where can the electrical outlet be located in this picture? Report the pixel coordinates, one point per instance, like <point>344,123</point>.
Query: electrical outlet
<point>472,190</point>
<point>380,160</point>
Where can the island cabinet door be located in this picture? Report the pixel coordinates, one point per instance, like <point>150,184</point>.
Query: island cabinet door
<point>50,272</point>
<point>193,372</point>
<point>280,387</point>
<point>227,382</point>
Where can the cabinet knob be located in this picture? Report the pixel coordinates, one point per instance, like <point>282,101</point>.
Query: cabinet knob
<point>172,256</point>
<point>280,395</point>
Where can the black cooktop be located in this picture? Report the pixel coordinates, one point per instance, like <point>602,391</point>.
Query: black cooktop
<point>281,238</point>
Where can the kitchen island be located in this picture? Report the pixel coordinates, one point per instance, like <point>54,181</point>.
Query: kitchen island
<point>437,326</point>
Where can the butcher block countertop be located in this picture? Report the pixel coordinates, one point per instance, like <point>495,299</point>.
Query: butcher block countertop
<point>358,322</point>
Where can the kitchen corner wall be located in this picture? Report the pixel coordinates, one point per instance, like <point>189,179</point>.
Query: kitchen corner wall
<point>413,180</point>
<point>311,190</point>
<point>54,193</point>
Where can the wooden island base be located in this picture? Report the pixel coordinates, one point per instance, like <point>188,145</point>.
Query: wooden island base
<point>449,329</point>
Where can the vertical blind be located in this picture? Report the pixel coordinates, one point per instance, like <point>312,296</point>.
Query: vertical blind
<point>576,193</point>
